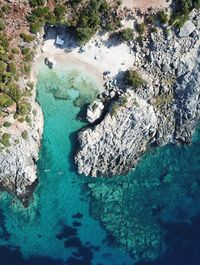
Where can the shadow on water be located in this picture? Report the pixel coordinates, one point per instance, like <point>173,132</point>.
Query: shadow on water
<point>74,147</point>
<point>3,231</point>
<point>183,241</point>
<point>12,256</point>
<point>82,253</point>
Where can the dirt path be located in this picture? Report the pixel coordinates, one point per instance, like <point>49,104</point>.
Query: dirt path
<point>145,4</point>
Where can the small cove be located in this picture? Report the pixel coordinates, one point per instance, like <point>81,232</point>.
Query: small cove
<point>57,225</point>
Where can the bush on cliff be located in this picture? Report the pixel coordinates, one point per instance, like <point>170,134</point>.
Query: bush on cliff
<point>132,78</point>
<point>5,101</point>
<point>126,34</point>
<point>34,3</point>
<point>5,139</point>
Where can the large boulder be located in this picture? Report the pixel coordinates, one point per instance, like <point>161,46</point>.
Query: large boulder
<point>94,111</point>
<point>187,29</point>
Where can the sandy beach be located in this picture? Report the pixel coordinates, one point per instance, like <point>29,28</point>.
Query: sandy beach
<point>96,57</point>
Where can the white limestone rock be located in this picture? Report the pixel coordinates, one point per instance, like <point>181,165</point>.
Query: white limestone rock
<point>115,145</point>
<point>187,29</point>
<point>94,111</point>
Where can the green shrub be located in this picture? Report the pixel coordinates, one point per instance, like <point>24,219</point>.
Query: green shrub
<point>75,2</point>
<point>36,26</point>
<point>2,25</point>
<point>126,34</point>
<point>50,18</point>
<point>151,19</point>
<point>28,119</point>
<point>89,21</point>
<point>5,139</point>
<point>84,34</point>
<point>59,11</point>
<point>6,9</point>
<point>140,28</point>
<point>104,6</point>
<point>34,3</point>
<point>5,101</point>
<point>154,30</point>
<point>13,91</point>
<point>15,50</point>
<point>162,17</point>
<point>28,57</point>
<point>25,135</point>
<point>132,78</point>
<point>115,108</point>
<point>26,69</point>
<point>25,51</point>
<point>27,37</point>
<point>40,11</point>
<point>4,41</point>
<point>3,66</point>
<point>11,68</point>
<point>7,124</point>
<point>24,108</point>
<point>21,119</point>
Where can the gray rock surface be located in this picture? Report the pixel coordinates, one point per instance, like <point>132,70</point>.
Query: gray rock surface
<point>186,29</point>
<point>167,110</point>
<point>187,103</point>
<point>17,164</point>
<point>116,143</point>
<point>94,111</point>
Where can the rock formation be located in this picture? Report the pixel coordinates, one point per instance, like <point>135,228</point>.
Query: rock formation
<point>114,145</point>
<point>17,164</point>
<point>164,111</point>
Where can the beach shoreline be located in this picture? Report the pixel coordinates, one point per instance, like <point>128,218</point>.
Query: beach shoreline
<point>98,56</point>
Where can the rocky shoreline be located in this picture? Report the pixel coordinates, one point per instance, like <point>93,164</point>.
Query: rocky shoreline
<point>166,108</point>
<point>128,121</point>
<point>18,171</point>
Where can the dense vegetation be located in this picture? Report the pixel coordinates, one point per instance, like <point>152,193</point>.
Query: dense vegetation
<point>86,18</point>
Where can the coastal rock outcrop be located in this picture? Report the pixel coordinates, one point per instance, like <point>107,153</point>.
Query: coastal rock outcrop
<point>94,111</point>
<point>115,145</point>
<point>187,99</point>
<point>167,111</point>
<point>17,164</point>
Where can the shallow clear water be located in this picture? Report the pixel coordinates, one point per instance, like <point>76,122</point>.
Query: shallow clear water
<point>59,209</point>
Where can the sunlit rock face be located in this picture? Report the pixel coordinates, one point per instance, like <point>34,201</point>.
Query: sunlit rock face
<point>113,146</point>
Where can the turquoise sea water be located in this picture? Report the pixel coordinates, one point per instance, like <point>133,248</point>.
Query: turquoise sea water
<point>59,209</point>
<point>57,227</point>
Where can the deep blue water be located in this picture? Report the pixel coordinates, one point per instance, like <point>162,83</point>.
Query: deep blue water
<point>57,228</point>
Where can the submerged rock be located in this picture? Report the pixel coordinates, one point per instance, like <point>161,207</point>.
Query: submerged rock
<point>138,208</point>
